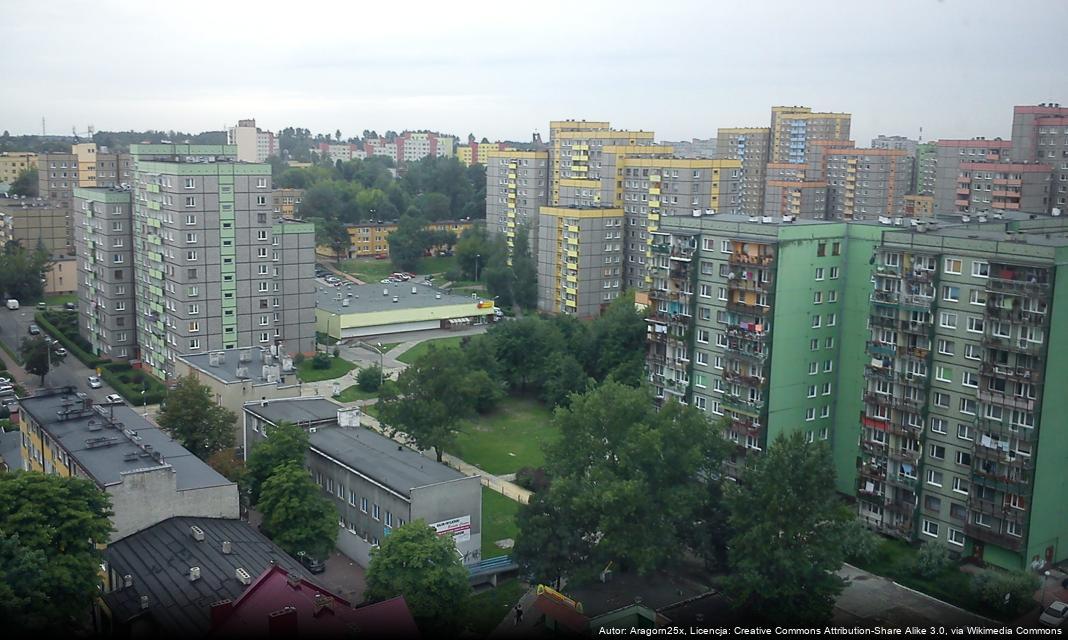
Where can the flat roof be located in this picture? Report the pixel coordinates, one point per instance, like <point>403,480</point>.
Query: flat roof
<point>367,298</point>
<point>384,460</point>
<point>226,369</point>
<point>159,558</point>
<point>295,410</point>
<point>110,441</point>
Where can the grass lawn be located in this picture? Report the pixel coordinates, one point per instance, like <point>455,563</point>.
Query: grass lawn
<point>354,393</point>
<point>895,560</point>
<point>338,368</point>
<point>507,439</point>
<point>413,354</point>
<point>490,607</point>
<point>371,270</point>
<point>61,299</point>
<point>498,522</point>
<point>388,345</point>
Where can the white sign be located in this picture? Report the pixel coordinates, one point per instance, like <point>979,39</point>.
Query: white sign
<point>458,528</point>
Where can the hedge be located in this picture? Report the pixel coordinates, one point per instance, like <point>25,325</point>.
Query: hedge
<point>129,382</point>
<point>87,358</point>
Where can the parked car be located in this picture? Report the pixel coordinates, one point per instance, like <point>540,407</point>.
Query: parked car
<point>61,352</point>
<point>311,564</point>
<point>34,330</point>
<point>71,306</point>
<point>11,403</point>
<point>42,305</point>
<point>6,388</point>
<point>113,398</point>
<point>94,382</point>
<point>12,304</point>
<point>4,380</point>
<point>1054,615</point>
<point>386,281</point>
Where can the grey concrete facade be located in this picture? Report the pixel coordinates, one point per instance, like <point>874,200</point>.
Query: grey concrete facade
<point>751,145</point>
<point>517,185</point>
<point>949,154</point>
<point>867,183</point>
<point>104,244</point>
<point>580,256</point>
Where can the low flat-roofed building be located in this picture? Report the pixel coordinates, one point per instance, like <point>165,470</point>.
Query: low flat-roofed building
<point>237,376</point>
<point>351,310</point>
<point>149,585</point>
<point>376,483</point>
<point>148,476</point>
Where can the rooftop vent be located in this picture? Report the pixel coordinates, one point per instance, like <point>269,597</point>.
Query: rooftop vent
<point>414,290</point>
<point>144,602</point>
<point>243,576</point>
<point>245,356</point>
<point>227,547</point>
<point>396,299</point>
<point>197,533</point>
<point>385,291</point>
<point>194,574</point>
<point>127,581</point>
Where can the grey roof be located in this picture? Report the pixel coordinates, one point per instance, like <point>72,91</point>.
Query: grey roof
<point>11,448</point>
<point>398,467</point>
<point>226,370</point>
<point>295,410</point>
<point>159,559</point>
<point>108,441</point>
<point>368,297</point>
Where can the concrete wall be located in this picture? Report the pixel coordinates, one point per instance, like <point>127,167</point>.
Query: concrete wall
<point>462,497</point>
<point>151,496</point>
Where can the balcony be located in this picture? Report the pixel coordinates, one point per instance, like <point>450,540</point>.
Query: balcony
<point>878,373</point>
<point>1012,344</point>
<point>741,378</point>
<point>1022,374</point>
<point>751,260</point>
<point>1015,315</point>
<point>873,447</point>
<point>682,253</point>
<point>739,283</point>
<point>883,321</point>
<point>752,309</point>
<point>741,405</point>
<point>746,356</point>
<point>1015,281</point>
<point>881,349</point>
<point>885,297</point>
<point>1006,400</point>
<point>899,506</point>
<point>919,275</point>
<point>905,455</point>
<point>1004,429</point>
<point>758,337</point>
<point>1003,457</point>
<point>918,328</point>
<point>1020,484</point>
<point>990,535</point>
<point>904,482</point>
<point>661,247</point>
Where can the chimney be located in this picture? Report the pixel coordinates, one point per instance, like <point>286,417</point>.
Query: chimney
<point>127,581</point>
<point>293,580</point>
<point>220,611</point>
<point>243,576</point>
<point>323,603</point>
<point>194,574</point>
<point>282,623</point>
<point>226,547</point>
<point>144,602</point>
<point>197,533</point>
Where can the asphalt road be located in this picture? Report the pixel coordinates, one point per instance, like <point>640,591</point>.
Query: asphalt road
<point>68,371</point>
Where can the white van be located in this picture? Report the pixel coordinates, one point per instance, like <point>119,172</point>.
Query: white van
<point>12,304</point>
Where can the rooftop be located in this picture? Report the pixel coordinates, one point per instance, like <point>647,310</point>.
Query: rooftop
<point>398,467</point>
<point>159,558</point>
<point>277,602</point>
<point>295,410</point>
<point>237,365</point>
<point>108,442</point>
<point>368,298</point>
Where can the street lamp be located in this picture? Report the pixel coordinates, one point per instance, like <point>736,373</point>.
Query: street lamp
<point>381,371</point>
<point>1045,579</point>
<point>477,256</point>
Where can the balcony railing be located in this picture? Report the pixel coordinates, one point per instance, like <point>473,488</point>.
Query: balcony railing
<point>752,309</point>
<point>902,481</point>
<point>1014,344</point>
<point>919,275</point>
<point>881,349</point>
<point>884,321</point>
<point>905,455</point>
<point>741,405</point>
<point>734,331</point>
<point>741,378</point>
<point>745,259</point>
<point>1003,428</point>
<point>1006,400</point>
<point>1024,374</point>
<point>1016,315</point>
<point>993,536</point>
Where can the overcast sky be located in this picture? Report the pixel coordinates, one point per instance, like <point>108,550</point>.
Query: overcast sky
<point>503,69</point>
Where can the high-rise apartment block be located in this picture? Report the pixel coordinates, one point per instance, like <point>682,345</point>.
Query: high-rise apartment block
<point>253,144</point>
<point>411,146</point>
<point>899,143</point>
<point>579,259</point>
<point>949,154</point>
<point>343,151</point>
<point>751,146</point>
<point>992,187</point>
<point>867,182</point>
<point>104,240</point>
<point>758,324</point>
<point>85,166</point>
<point>517,186</point>
<point>1040,135</point>
<point>923,182</point>
<point>792,128</point>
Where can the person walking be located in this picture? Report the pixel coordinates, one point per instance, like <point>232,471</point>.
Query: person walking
<point>518,614</point>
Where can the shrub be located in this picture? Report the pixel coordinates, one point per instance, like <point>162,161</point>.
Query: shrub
<point>1008,594</point>
<point>532,479</point>
<point>370,378</point>
<point>454,275</point>
<point>321,361</point>
<point>931,560</point>
<point>859,544</point>
<point>337,352</point>
<point>297,359</point>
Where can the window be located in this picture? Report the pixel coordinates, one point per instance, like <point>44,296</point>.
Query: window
<point>944,374</point>
<point>813,368</point>
<point>832,295</point>
<point>832,319</point>
<point>389,519</point>
<point>934,478</point>
<point>836,248</point>
<point>947,320</point>
<point>951,294</point>
<point>829,342</point>
<point>946,347</point>
<point>969,379</point>
<point>955,537</point>
<point>816,321</point>
<point>194,344</point>
<point>941,400</point>
<point>265,337</point>
<point>964,432</point>
<point>821,249</point>
<point>702,336</point>
<point>817,297</point>
<point>952,265</point>
<point>975,325</point>
<point>814,344</point>
<point>190,219</point>
<point>190,183</point>
<point>825,411</point>
<point>826,390</point>
<point>812,391</point>
<point>980,269</point>
<point>194,327</point>
<point>834,273</point>
<point>261,252</point>
<point>937,451</point>
<point>261,201</point>
<point>977,297</point>
<point>828,366</point>
<point>932,503</point>
<point>261,183</point>
<point>191,255</point>
<point>964,459</point>
<point>967,406</point>
<point>972,352</point>
<point>930,528</point>
<point>819,273</point>
<point>190,238</point>
<point>810,414</point>
<point>706,291</point>
<point>363,505</point>
<point>190,201</point>
<point>194,309</point>
<point>375,512</point>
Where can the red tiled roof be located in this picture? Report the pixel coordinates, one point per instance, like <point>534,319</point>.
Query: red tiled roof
<point>560,612</point>
<point>311,609</point>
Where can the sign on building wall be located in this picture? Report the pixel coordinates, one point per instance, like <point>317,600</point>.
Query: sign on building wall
<point>458,528</point>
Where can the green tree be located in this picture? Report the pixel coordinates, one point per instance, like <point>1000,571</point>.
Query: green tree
<point>26,184</point>
<point>1009,594</point>
<point>370,378</point>
<point>408,243</point>
<point>429,399</point>
<point>616,455</point>
<point>21,272</point>
<point>414,562</point>
<point>192,417</point>
<point>523,350</point>
<point>285,443</point>
<point>564,376</point>
<point>49,561</point>
<point>616,345</point>
<point>500,283</point>
<point>333,234</point>
<point>550,544</point>
<point>525,271</point>
<point>36,352</point>
<point>296,514</point>
<point>783,555</point>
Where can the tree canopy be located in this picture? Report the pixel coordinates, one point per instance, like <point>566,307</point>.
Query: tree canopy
<point>26,184</point>
<point>296,514</point>
<point>284,443</point>
<point>21,272</point>
<point>36,352</point>
<point>783,555</point>
<point>49,561</point>
<point>414,562</point>
<point>192,417</point>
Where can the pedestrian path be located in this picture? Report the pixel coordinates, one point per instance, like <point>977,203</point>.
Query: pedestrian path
<point>496,483</point>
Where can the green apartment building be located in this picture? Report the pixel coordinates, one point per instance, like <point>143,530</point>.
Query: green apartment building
<point>919,354</point>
